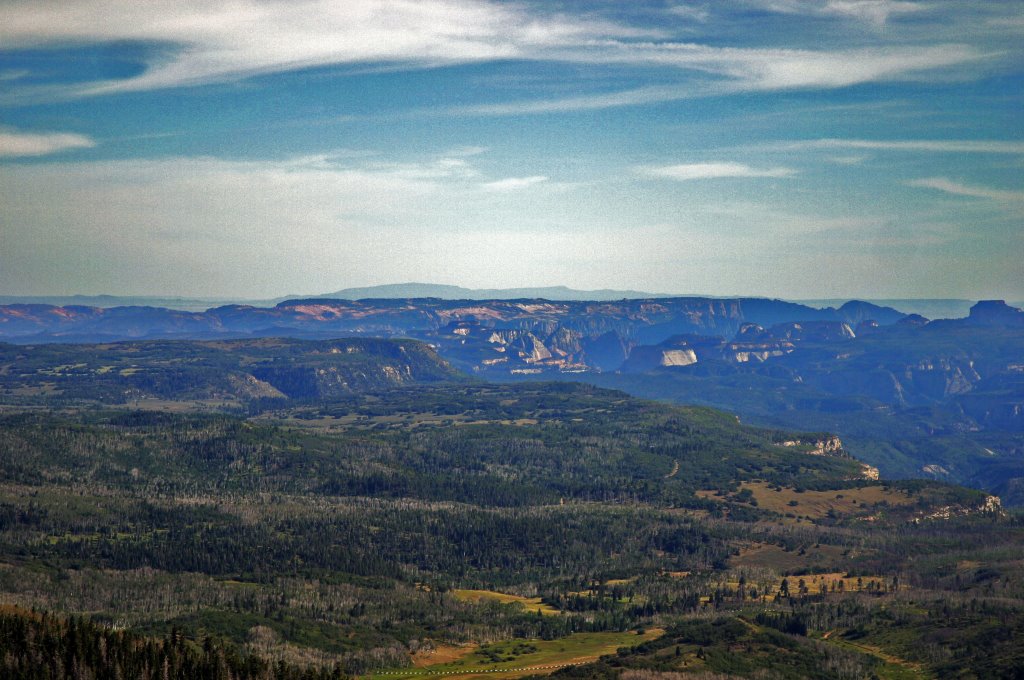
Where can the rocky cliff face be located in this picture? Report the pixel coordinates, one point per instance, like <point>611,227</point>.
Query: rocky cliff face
<point>816,347</point>
<point>990,505</point>
<point>829,445</point>
<point>825,446</point>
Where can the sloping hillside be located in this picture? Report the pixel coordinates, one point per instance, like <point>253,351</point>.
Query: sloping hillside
<point>235,370</point>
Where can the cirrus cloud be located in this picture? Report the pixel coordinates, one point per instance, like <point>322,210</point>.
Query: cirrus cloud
<point>209,41</point>
<point>696,171</point>
<point>874,11</point>
<point>950,187</point>
<point>928,145</point>
<point>514,183</point>
<point>14,143</point>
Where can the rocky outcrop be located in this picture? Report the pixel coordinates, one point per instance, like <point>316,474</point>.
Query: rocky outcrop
<point>826,446</point>
<point>248,386</point>
<point>913,320</point>
<point>990,505</point>
<point>856,312</point>
<point>996,313</point>
<point>813,331</point>
<point>678,357</point>
<point>751,332</point>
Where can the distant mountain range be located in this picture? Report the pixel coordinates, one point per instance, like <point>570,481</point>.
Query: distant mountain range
<point>938,308</point>
<point>560,326</point>
<point>931,308</point>
<point>943,398</point>
<point>386,292</point>
<point>433,290</point>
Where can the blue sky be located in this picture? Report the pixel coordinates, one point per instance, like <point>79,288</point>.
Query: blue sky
<point>793,148</point>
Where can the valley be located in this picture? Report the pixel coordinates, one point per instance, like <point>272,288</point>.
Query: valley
<point>365,504</point>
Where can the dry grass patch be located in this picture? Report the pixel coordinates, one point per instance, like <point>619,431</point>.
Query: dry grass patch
<point>519,658</point>
<point>812,584</point>
<point>439,654</point>
<point>530,604</point>
<point>770,556</point>
<point>818,504</point>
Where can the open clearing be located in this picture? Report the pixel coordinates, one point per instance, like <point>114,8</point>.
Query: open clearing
<point>771,556</point>
<point>441,654</point>
<point>530,604</point>
<point>818,504</point>
<point>892,668</point>
<point>518,658</point>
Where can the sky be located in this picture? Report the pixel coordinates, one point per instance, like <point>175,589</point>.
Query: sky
<point>259,148</point>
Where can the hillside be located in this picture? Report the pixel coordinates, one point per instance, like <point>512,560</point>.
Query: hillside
<point>357,506</point>
<point>229,371</point>
<point>464,526</point>
<point>942,400</point>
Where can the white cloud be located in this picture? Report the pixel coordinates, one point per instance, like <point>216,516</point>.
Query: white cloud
<point>873,11</point>
<point>15,143</point>
<point>734,70</point>
<point>691,12</point>
<point>929,145</point>
<point>695,171</point>
<point>641,95</point>
<point>514,183</point>
<point>1014,22</point>
<point>951,187</point>
<point>466,151</point>
<point>219,41</point>
<point>210,41</point>
<point>206,226</point>
<point>745,69</point>
<point>260,227</point>
<point>847,160</point>
<point>13,74</point>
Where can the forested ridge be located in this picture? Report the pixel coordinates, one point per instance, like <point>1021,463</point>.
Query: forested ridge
<point>371,529</point>
<point>42,646</point>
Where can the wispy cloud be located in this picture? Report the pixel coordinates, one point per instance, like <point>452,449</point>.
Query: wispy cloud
<point>695,171</point>
<point>874,11</point>
<point>733,70</point>
<point>201,223</point>
<point>755,68</point>
<point>14,143</point>
<point>208,41</point>
<point>929,145</point>
<point>218,41</point>
<point>692,12</point>
<point>466,151</point>
<point>1015,22</point>
<point>847,160</point>
<point>605,100</point>
<point>514,183</point>
<point>9,75</point>
<point>955,188</point>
